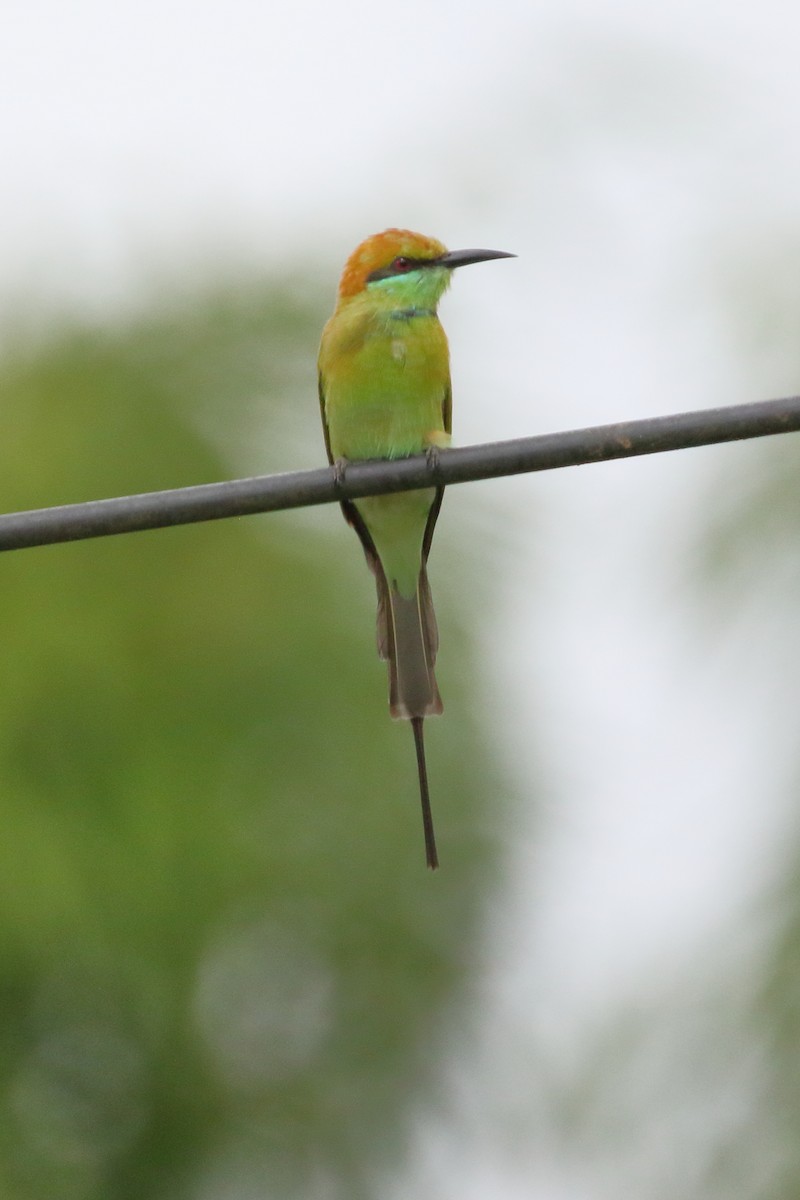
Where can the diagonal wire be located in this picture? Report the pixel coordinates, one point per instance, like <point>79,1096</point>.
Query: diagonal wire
<point>270,493</point>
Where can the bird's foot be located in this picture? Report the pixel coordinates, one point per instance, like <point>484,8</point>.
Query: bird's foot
<point>437,440</point>
<point>433,456</point>
<point>339,471</point>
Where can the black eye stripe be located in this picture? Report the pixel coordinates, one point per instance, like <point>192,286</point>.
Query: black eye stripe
<point>409,264</point>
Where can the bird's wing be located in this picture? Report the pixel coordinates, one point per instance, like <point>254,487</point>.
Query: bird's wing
<point>447,422</point>
<point>354,518</point>
<point>324,415</point>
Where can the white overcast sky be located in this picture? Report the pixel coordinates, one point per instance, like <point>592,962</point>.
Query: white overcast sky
<point>632,155</point>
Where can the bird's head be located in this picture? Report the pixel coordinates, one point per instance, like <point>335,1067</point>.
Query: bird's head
<point>405,268</point>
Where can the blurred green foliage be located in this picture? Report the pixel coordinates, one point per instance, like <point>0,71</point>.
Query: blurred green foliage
<point>225,970</point>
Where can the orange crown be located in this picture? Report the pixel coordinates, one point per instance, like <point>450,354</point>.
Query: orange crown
<point>379,250</point>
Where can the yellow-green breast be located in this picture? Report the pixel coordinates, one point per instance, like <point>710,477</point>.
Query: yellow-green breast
<point>385,381</point>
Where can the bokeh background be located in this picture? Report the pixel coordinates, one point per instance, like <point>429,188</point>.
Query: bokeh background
<point>224,971</point>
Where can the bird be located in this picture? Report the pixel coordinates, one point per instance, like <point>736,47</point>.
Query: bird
<point>384,389</point>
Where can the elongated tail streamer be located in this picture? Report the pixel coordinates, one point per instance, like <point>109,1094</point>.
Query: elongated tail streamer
<point>431,856</point>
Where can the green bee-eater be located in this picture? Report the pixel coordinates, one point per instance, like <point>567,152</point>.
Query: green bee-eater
<point>384,384</point>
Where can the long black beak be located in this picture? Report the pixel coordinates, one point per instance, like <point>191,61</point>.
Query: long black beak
<point>465,258</point>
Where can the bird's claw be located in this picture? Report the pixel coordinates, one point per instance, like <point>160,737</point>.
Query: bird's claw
<point>339,471</point>
<point>433,457</point>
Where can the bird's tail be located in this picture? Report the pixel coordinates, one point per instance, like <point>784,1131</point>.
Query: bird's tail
<point>409,639</point>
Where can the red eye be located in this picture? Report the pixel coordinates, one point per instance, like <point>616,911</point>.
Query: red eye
<point>401,264</point>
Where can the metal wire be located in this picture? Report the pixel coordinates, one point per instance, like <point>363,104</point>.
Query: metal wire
<point>269,493</point>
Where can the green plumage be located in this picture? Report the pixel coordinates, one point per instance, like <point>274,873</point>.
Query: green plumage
<point>385,393</point>
<point>385,388</point>
<point>384,385</point>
